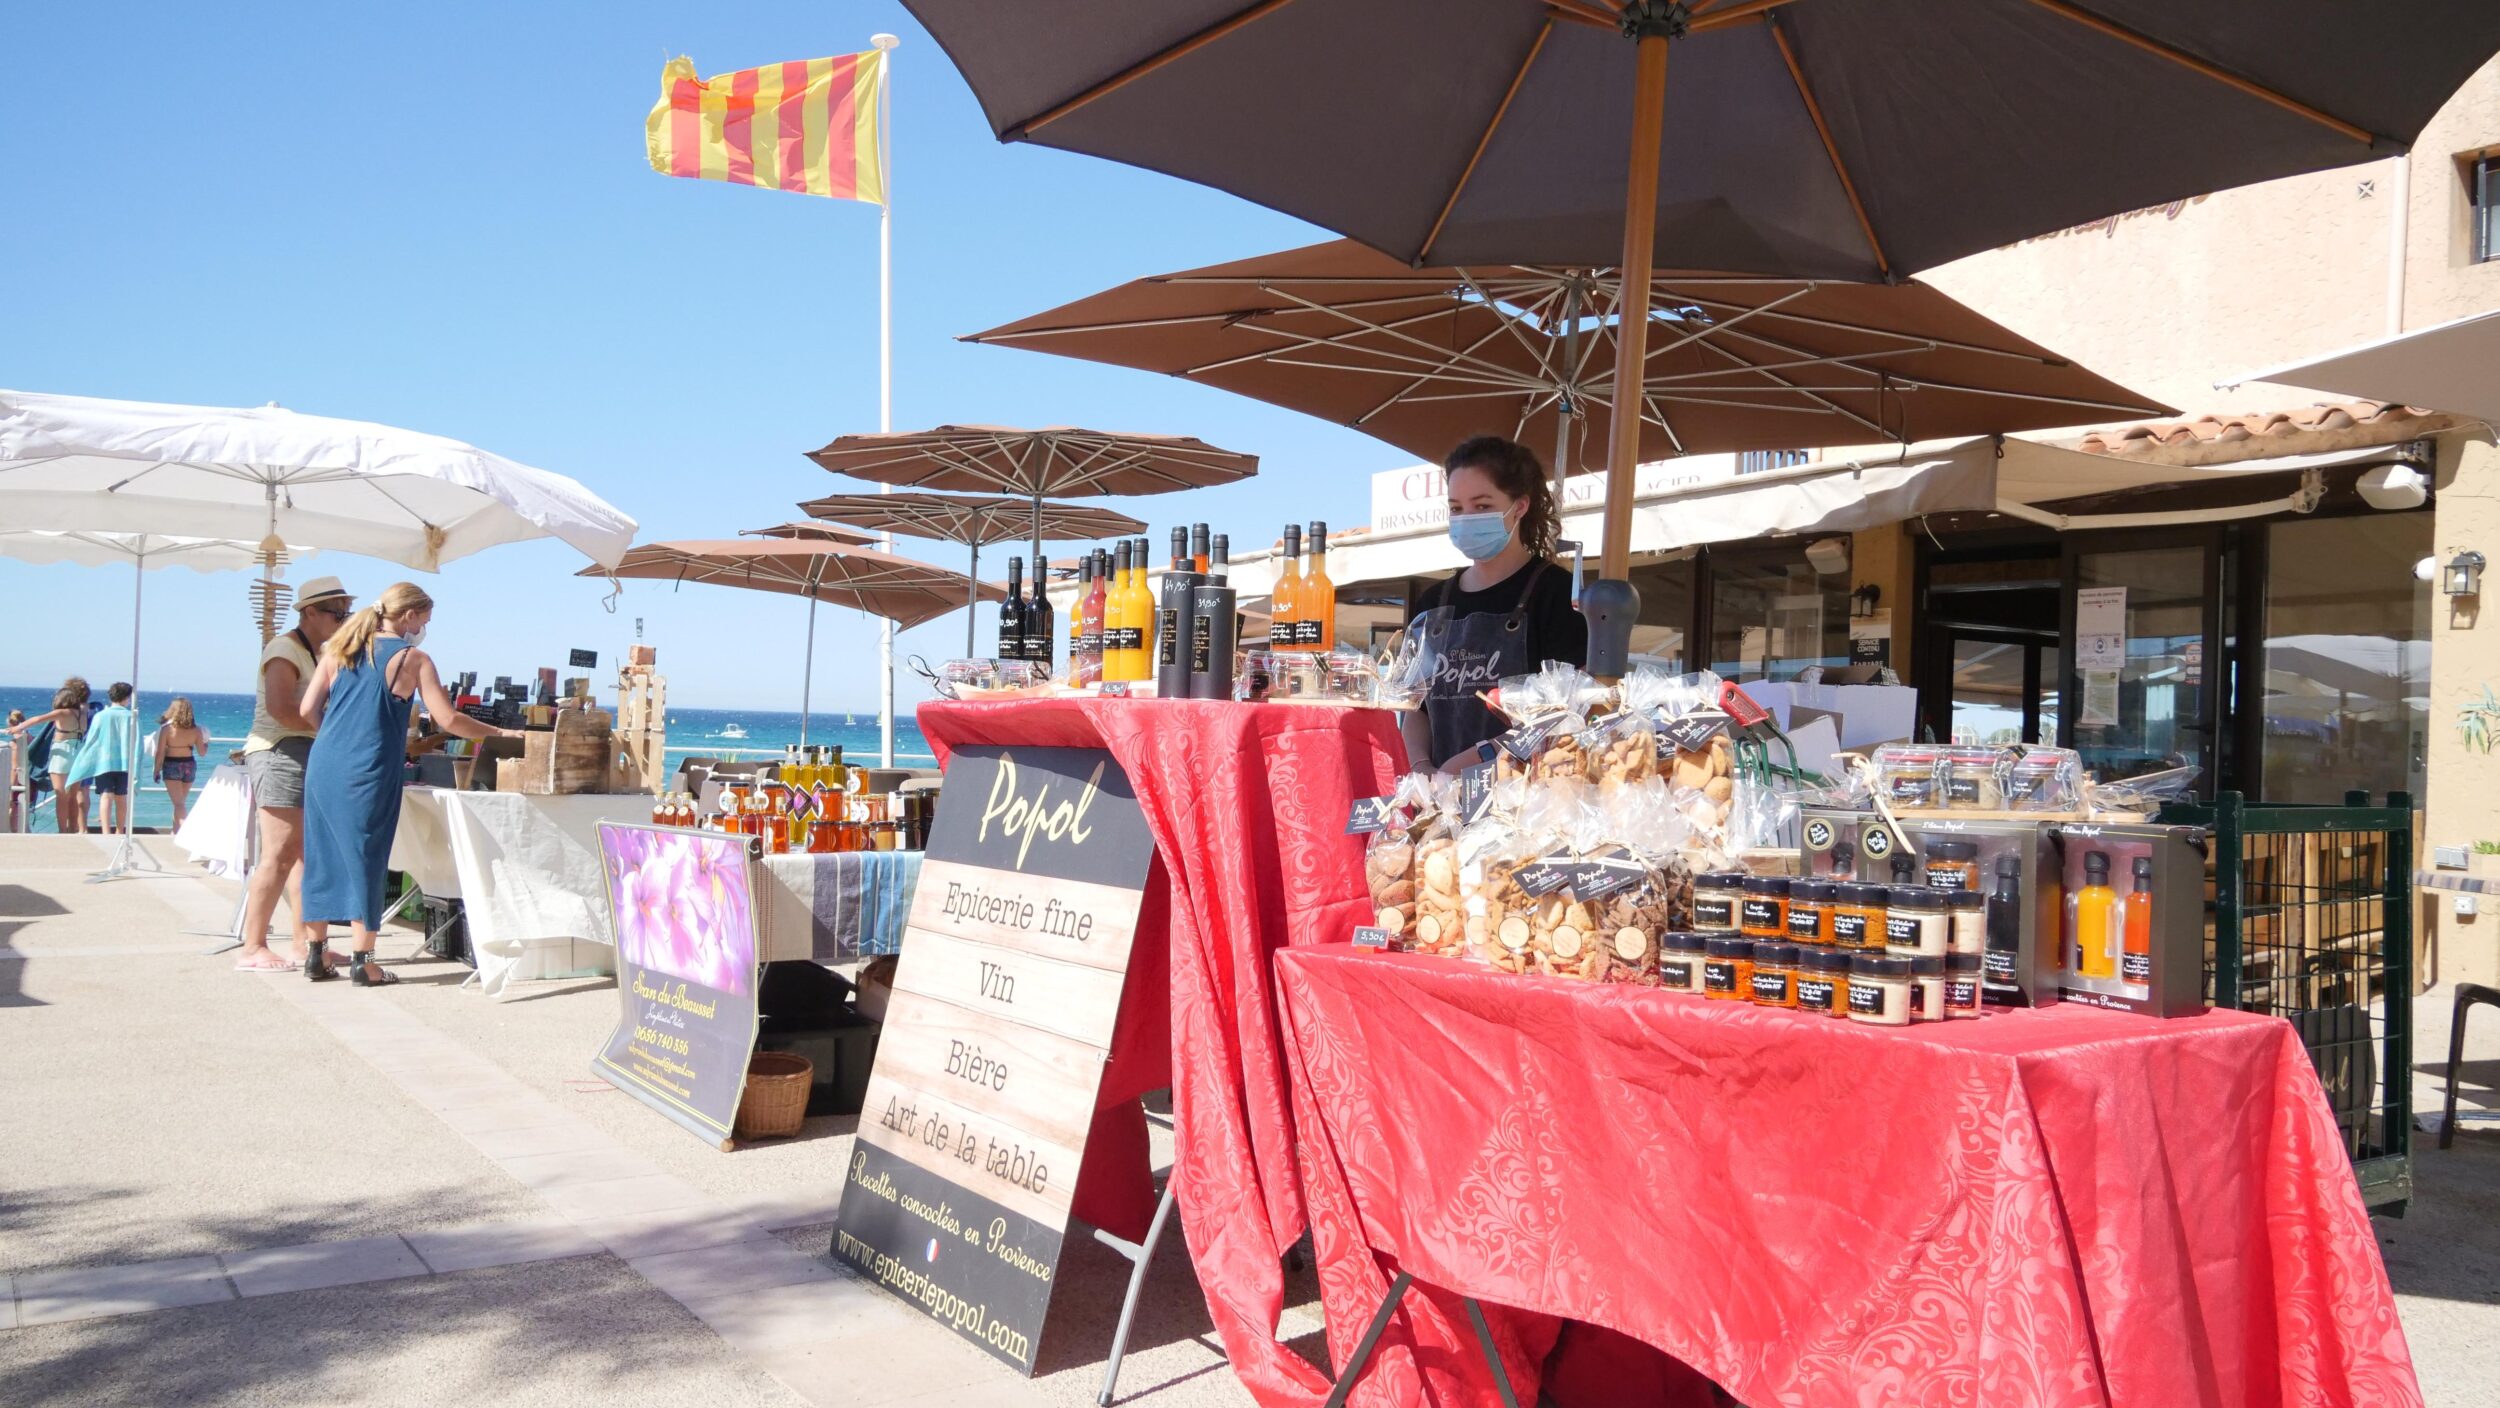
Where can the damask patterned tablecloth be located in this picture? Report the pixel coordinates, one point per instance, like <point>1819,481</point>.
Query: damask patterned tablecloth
<point>1247,804</point>
<point>2058,1207</point>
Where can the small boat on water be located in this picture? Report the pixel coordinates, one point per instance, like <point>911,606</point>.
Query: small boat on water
<point>731,731</point>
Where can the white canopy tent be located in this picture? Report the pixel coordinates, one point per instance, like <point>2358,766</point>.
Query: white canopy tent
<point>2445,368</point>
<point>84,463</point>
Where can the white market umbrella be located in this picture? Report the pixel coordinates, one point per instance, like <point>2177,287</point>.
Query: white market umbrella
<point>83,463</point>
<point>143,551</point>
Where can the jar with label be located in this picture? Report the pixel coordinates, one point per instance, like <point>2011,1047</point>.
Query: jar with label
<point>1909,776</point>
<point>1973,779</point>
<point>1810,911</point>
<point>1764,913</point>
<point>1917,921</point>
<point>1858,916</point>
<point>1679,962</point>
<point>1775,975</point>
<point>1969,909</point>
<point>1953,865</point>
<point>1961,984</point>
<point>1716,897</point>
<point>1727,969</point>
<point>1823,981</point>
<point>1927,987</point>
<point>1879,989</point>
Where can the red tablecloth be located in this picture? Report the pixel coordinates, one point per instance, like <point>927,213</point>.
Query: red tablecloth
<point>2056,1207</point>
<point>1247,804</point>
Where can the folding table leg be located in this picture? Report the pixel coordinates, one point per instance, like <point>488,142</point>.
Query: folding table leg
<point>1492,1357</point>
<point>1371,1337</point>
<point>1141,1253</point>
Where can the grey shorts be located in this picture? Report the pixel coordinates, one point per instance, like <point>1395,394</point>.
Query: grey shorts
<point>278,773</point>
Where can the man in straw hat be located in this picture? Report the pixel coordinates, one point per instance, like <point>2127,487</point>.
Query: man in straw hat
<point>274,757</point>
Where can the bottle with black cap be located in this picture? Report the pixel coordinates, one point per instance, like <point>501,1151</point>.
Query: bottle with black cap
<point>1041,630</point>
<point>1172,619</point>
<point>1011,613</point>
<point>1212,622</point>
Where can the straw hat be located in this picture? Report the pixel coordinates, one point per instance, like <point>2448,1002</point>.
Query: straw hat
<point>321,589</point>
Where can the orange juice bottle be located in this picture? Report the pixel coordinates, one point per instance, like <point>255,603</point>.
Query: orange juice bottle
<point>1284,602</point>
<point>1317,629</point>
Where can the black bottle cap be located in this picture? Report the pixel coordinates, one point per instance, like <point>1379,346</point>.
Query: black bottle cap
<point>2143,870</point>
<point>1766,884</point>
<point>1953,850</point>
<point>2010,865</point>
<point>1180,543</point>
<point>1729,946</point>
<point>2096,867</point>
<point>1293,540</point>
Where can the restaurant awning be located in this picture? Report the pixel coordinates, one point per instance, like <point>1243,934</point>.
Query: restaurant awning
<point>2443,368</point>
<point>1704,500</point>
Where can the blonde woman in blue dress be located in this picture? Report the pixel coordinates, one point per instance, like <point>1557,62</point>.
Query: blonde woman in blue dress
<point>370,678</point>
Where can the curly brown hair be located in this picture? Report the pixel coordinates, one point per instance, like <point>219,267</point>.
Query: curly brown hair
<point>1518,473</point>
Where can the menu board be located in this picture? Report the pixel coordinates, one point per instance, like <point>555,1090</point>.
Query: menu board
<point>684,912</point>
<point>1005,996</point>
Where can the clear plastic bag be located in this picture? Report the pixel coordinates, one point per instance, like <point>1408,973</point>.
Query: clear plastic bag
<point>1530,920</point>
<point>2143,794</point>
<point>1761,817</point>
<point>1620,748</point>
<point>1390,856</point>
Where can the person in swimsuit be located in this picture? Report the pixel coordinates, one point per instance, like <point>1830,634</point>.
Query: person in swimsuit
<point>179,739</point>
<point>68,718</point>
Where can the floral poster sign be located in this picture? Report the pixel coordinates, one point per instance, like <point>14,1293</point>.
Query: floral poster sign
<point>684,909</point>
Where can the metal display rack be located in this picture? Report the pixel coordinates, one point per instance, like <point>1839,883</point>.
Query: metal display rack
<point>2312,921</point>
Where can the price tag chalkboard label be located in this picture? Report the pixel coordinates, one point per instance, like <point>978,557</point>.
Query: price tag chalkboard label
<point>1371,936</point>
<point>1475,791</point>
<point>974,1128</point>
<point>585,660</point>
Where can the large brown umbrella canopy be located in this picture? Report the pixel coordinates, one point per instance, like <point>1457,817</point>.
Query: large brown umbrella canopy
<point>813,532</point>
<point>904,591</point>
<point>1423,358</point>
<point>1059,461</point>
<point>973,520</point>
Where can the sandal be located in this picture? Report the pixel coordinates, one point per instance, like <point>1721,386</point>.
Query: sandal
<point>317,961</point>
<point>265,962</point>
<point>366,971</point>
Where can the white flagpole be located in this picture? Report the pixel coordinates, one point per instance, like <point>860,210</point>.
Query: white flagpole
<point>885,44</point>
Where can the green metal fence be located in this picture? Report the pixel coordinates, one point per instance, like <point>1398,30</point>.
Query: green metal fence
<point>2313,922</point>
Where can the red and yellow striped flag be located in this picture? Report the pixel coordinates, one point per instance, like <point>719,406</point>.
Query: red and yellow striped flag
<point>813,126</point>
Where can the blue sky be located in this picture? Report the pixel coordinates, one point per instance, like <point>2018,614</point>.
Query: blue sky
<point>440,216</point>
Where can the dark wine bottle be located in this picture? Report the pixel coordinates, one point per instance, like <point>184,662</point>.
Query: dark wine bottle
<point>1011,613</point>
<point>1041,637</point>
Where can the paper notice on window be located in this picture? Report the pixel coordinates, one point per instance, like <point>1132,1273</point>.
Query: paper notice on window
<point>2100,699</point>
<point>2101,628</point>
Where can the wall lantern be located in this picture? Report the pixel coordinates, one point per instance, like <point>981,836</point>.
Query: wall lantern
<point>2463,575</point>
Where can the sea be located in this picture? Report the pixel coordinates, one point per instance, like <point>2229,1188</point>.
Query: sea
<point>735,733</point>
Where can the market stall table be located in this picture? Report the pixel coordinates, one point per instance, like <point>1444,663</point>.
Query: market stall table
<point>1247,806</point>
<point>526,870</point>
<point>217,830</point>
<point>2060,1206</point>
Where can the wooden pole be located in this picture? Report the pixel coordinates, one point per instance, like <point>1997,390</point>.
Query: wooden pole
<point>1640,228</point>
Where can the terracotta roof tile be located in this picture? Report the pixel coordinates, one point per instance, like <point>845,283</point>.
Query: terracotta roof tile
<point>2214,439</point>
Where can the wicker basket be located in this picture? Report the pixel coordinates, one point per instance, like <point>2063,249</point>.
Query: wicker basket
<point>775,1102</point>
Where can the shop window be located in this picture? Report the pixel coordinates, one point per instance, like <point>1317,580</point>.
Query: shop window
<point>1763,461</point>
<point>1772,614</point>
<point>1666,590</point>
<point>2347,658</point>
<point>2482,193</point>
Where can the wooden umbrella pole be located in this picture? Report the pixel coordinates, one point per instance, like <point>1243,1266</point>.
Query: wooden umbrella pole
<point>1640,228</point>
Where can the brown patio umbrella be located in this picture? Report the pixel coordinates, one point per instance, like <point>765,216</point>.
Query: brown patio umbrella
<point>1830,138</point>
<point>973,520</point>
<point>1057,462</point>
<point>902,590</point>
<point>1423,358</point>
<point>813,532</point>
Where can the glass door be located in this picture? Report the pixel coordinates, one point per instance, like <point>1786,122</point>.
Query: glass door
<point>2003,689</point>
<point>2141,685</point>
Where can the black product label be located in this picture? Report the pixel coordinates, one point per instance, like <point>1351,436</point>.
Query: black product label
<point>1948,877</point>
<point>1963,791</point>
<point>1691,733</point>
<point>1866,997</point>
<point>1816,994</point>
<point>1718,975</point>
<point>1539,878</point>
<point>1806,924</point>
<point>1124,638</point>
<point>1371,936</point>
<point>1913,790</point>
<point>2000,967</point>
<point>1010,644</point>
<point>1528,740</point>
<point>1279,634</point>
<point>1961,994</point>
<point>1676,973</point>
<point>1765,915</point>
<point>1475,792</point>
<point>1307,631</point>
<point>1771,987</point>
<point>1367,815</point>
<point>1820,833</point>
<point>1901,930</point>
<point>1201,645</point>
<point>1714,912</point>
<point>1169,649</point>
<point>1089,642</point>
<point>1849,930</point>
<point>1596,879</point>
<point>2136,967</point>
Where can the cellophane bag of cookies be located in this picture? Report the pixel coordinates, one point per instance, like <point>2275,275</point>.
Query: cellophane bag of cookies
<point>1557,818</point>
<point>1620,748</point>
<point>1644,821</point>
<point>1549,711</point>
<point>1390,860</point>
<point>1450,917</point>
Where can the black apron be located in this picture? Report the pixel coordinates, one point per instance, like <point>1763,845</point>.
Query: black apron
<point>1472,654</point>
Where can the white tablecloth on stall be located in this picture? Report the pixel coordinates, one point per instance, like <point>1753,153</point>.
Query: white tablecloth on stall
<point>525,868</point>
<point>218,829</point>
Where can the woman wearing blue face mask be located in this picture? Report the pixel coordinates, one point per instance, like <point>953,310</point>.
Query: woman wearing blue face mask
<point>1509,611</point>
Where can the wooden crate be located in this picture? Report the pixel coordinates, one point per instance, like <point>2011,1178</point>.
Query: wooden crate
<point>642,729</point>
<point>576,756</point>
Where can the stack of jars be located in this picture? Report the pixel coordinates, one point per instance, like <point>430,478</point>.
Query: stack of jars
<point>1886,955</point>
